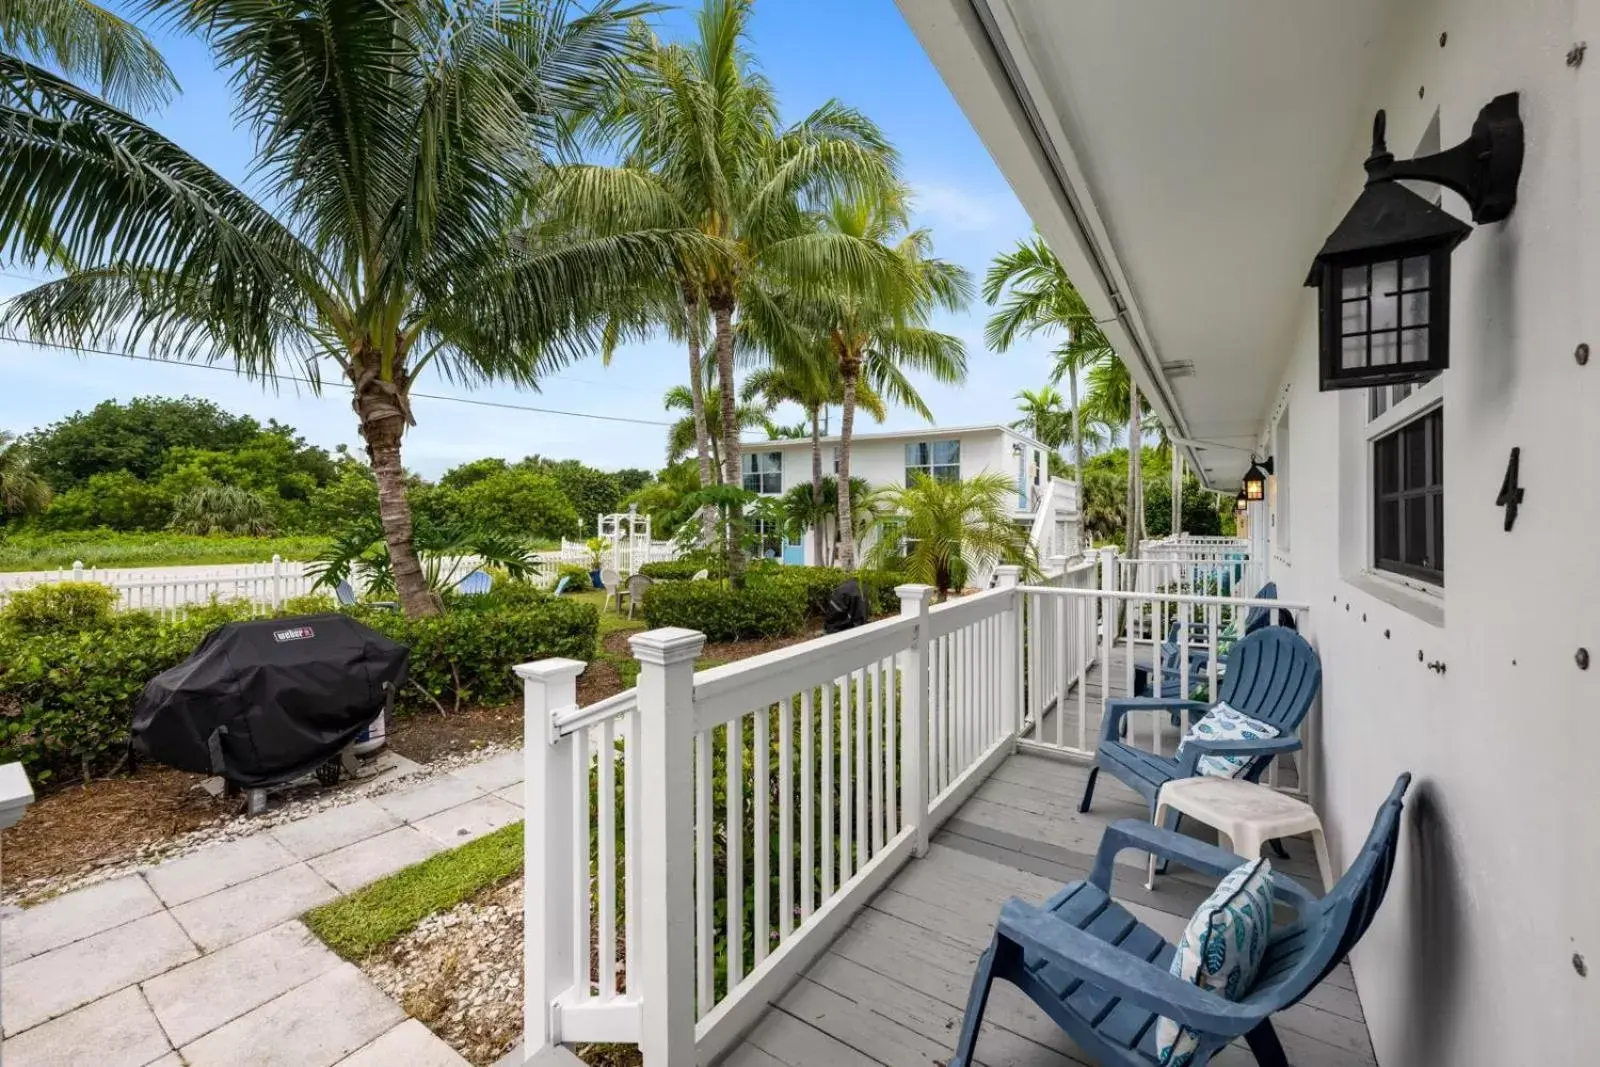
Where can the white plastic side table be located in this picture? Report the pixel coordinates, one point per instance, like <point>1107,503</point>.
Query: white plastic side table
<point>1245,814</point>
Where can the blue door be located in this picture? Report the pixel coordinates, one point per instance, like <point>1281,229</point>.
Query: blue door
<point>794,553</point>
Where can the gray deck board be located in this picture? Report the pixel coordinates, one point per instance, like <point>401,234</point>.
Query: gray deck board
<point>892,987</point>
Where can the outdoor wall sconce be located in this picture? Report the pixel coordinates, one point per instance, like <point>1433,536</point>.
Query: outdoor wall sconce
<point>1241,503</point>
<point>1383,277</point>
<point>1255,480</point>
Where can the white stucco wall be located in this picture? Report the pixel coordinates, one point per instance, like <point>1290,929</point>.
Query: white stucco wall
<point>1470,961</point>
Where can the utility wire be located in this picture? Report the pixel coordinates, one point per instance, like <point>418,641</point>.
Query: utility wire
<point>311,381</point>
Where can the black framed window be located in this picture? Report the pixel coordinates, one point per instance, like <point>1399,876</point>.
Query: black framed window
<point>763,472</point>
<point>939,460</point>
<point>1408,499</point>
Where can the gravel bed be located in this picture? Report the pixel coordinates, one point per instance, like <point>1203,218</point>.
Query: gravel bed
<point>285,808</point>
<point>460,973</point>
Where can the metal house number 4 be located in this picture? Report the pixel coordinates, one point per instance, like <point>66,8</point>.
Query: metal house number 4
<point>1510,496</point>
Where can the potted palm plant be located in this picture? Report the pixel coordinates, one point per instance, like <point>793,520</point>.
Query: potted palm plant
<point>596,546</point>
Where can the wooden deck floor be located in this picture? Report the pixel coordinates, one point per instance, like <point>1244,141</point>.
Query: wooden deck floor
<point>891,989</point>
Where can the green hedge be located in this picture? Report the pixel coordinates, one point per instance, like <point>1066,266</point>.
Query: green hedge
<point>673,571</point>
<point>66,699</point>
<point>813,585</point>
<point>724,614</point>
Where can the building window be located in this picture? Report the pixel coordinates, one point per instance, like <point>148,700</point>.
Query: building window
<point>1408,498</point>
<point>939,460</point>
<point>765,539</point>
<point>763,472</point>
<point>1280,483</point>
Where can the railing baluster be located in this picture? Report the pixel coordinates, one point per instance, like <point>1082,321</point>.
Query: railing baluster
<point>827,806</point>
<point>704,884</point>
<point>878,812</point>
<point>786,818</point>
<point>761,835</point>
<point>606,897</point>
<point>862,772</point>
<point>630,849</point>
<point>733,828</point>
<point>808,855</point>
<point>891,747</point>
<point>1065,637</point>
<point>580,862</point>
<point>846,783</point>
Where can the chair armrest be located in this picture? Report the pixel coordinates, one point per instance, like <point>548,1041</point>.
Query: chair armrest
<point>1263,746</point>
<point>1190,852</point>
<point>1121,974</point>
<point>1117,710</point>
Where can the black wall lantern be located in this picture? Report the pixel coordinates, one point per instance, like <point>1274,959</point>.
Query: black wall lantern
<point>1383,277</point>
<point>1241,503</point>
<point>1255,480</point>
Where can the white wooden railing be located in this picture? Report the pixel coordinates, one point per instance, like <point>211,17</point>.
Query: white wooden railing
<point>692,844</point>
<point>760,805</point>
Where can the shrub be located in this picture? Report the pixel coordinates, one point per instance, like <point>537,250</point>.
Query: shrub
<point>66,700</point>
<point>672,571</point>
<point>61,607</point>
<point>812,585</point>
<point>310,604</point>
<point>580,578</point>
<point>878,588</point>
<point>722,614</point>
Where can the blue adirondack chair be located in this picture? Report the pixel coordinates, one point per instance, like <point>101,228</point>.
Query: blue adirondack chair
<point>1273,675</point>
<point>1102,975</point>
<point>346,595</point>
<point>475,584</point>
<point>1199,654</point>
<point>561,586</point>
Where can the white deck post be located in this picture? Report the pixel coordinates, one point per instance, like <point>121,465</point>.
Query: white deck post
<point>1108,612</point>
<point>1008,576</point>
<point>914,716</point>
<point>548,906</point>
<point>666,869</point>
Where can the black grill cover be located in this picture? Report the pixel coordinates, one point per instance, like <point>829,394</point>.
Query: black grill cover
<point>266,701</point>
<point>846,608</point>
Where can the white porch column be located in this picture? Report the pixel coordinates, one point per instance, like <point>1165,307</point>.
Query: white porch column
<point>914,716</point>
<point>1009,576</point>
<point>666,851</point>
<point>550,876</point>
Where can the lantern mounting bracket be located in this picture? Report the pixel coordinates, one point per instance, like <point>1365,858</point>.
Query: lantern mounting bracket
<point>1483,169</point>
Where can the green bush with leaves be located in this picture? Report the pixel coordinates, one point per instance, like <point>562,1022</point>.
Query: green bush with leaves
<point>724,614</point>
<point>879,589</point>
<point>60,608</point>
<point>310,604</point>
<point>812,585</point>
<point>676,570</point>
<point>66,699</point>
<point>579,578</point>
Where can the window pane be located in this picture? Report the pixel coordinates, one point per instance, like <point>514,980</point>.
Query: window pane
<point>1385,304</point>
<point>1437,532</point>
<point>1387,531</point>
<point>1416,531</point>
<point>1377,401</point>
<point>1414,345</point>
<point>1384,349</point>
<point>917,454</point>
<point>1414,309</point>
<point>1354,318</point>
<point>1386,458</point>
<point>1414,450</point>
<point>1353,281</point>
<point>946,452</point>
<point>1353,356</point>
<point>1414,273</point>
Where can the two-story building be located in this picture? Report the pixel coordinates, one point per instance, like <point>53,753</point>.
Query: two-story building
<point>1046,506</point>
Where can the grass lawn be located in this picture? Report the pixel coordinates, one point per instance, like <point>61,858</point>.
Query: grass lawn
<point>102,548</point>
<point>370,918</point>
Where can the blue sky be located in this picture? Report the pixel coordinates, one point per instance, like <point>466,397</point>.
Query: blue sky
<point>859,51</point>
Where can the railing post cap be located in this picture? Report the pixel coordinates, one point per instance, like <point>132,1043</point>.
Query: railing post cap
<point>1108,551</point>
<point>667,645</point>
<point>914,593</point>
<point>549,670</point>
<point>1007,575</point>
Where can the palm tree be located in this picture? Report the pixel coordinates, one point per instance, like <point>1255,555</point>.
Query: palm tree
<point>405,140</point>
<point>702,147</point>
<point>1114,397</point>
<point>950,526</point>
<point>1043,415</point>
<point>22,490</point>
<point>82,42</point>
<point>875,335</point>
<point>227,509</point>
<point>1040,298</point>
<point>681,435</point>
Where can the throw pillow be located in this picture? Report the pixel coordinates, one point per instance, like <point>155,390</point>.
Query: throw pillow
<point>1221,950</point>
<point>1223,723</point>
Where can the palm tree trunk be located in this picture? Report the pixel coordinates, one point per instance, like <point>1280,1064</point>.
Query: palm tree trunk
<point>849,368</point>
<point>733,547</point>
<point>383,423</point>
<point>816,486</point>
<point>1077,448</point>
<point>697,394</point>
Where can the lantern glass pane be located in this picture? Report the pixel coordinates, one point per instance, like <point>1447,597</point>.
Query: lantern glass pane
<point>1385,296</point>
<point>1353,354</point>
<point>1414,273</point>
<point>1414,309</point>
<point>1385,348</point>
<point>1255,489</point>
<point>1353,281</point>
<point>1354,319</point>
<point>1414,345</point>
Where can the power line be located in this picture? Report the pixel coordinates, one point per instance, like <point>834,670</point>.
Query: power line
<point>313,382</point>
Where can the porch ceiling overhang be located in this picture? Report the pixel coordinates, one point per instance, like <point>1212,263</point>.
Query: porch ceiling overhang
<point>1185,161</point>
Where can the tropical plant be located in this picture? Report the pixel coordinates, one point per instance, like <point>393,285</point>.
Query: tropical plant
<point>1112,391</point>
<point>798,511</point>
<point>1044,416</point>
<point>1034,295</point>
<point>80,41</point>
<point>703,149</point>
<point>947,529</point>
<point>22,490</point>
<point>224,509</point>
<point>410,225</point>
<point>445,557</point>
<point>681,434</point>
<point>875,334</point>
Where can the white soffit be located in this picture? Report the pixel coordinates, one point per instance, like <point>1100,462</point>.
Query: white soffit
<point>1185,160</point>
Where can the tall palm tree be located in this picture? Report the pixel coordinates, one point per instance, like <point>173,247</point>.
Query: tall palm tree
<point>876,335</point>
<point>83,43</point>
<point>703,148</point>
<point>950,526</point>
<point>1044,415</point>
<point>1040,298</point>
<point>406,228</point>
<point>22,490</point>
<point>1114,397</point>
<point>806,377</point>
<point>681,435</point>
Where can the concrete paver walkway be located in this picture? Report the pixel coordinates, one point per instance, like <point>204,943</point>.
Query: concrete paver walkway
<point>203,960</point>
